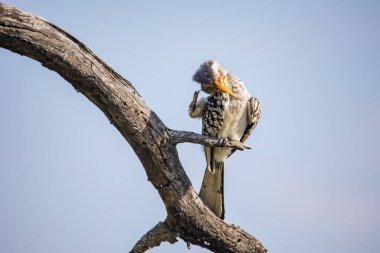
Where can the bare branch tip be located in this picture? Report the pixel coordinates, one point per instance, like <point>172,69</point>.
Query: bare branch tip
<point>154,237</point>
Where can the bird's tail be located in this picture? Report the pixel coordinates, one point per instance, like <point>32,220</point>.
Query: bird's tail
<point>211,191</point>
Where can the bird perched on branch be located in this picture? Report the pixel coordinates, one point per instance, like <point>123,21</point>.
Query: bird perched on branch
<point>230,112</point>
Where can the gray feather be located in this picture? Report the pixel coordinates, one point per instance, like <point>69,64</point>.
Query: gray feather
<point>208,72</point>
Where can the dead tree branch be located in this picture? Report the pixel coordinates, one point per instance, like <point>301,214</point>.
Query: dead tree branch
<point>154,237</point>
<point>152,141</point>
<point>185,136</point>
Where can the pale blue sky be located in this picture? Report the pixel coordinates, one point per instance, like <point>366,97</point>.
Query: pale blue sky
<point>70,183</point>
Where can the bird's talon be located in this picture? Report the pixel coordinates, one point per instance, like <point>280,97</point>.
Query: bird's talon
<point>194,101</point>
<point>223,142</point>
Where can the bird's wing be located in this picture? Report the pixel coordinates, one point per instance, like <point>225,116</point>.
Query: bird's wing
<point>213,120</point>
<point>253,116</point>
<point>254,113</point>
<point>213,114</point>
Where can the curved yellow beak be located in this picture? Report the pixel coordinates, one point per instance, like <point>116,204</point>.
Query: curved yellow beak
<point>221,85</point>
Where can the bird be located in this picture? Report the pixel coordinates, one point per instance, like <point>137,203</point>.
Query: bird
<point>230,113</point>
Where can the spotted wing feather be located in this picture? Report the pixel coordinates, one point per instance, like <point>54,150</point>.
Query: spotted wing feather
<point>212,121</point>
<point>213,113</point>
<point>254,113</point>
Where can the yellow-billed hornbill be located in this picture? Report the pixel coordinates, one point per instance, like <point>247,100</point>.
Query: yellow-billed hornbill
<point>229,112</point>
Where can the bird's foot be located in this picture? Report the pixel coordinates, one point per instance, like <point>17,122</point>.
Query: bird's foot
<point>193,103</point>
<point>223,141</point>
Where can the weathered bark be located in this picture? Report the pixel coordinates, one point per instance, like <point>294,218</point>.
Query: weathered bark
<point>153,142</point>
<point>159,233</point>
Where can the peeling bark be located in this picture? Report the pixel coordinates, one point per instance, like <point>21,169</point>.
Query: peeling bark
<point>152,141</point>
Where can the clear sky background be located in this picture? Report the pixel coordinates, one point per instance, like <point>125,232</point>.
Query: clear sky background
<point>70,183</point>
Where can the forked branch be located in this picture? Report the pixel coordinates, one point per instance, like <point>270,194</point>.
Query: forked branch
<point>152,141</point>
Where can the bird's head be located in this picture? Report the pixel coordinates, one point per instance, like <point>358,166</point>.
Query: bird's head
<point>212,77</point>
